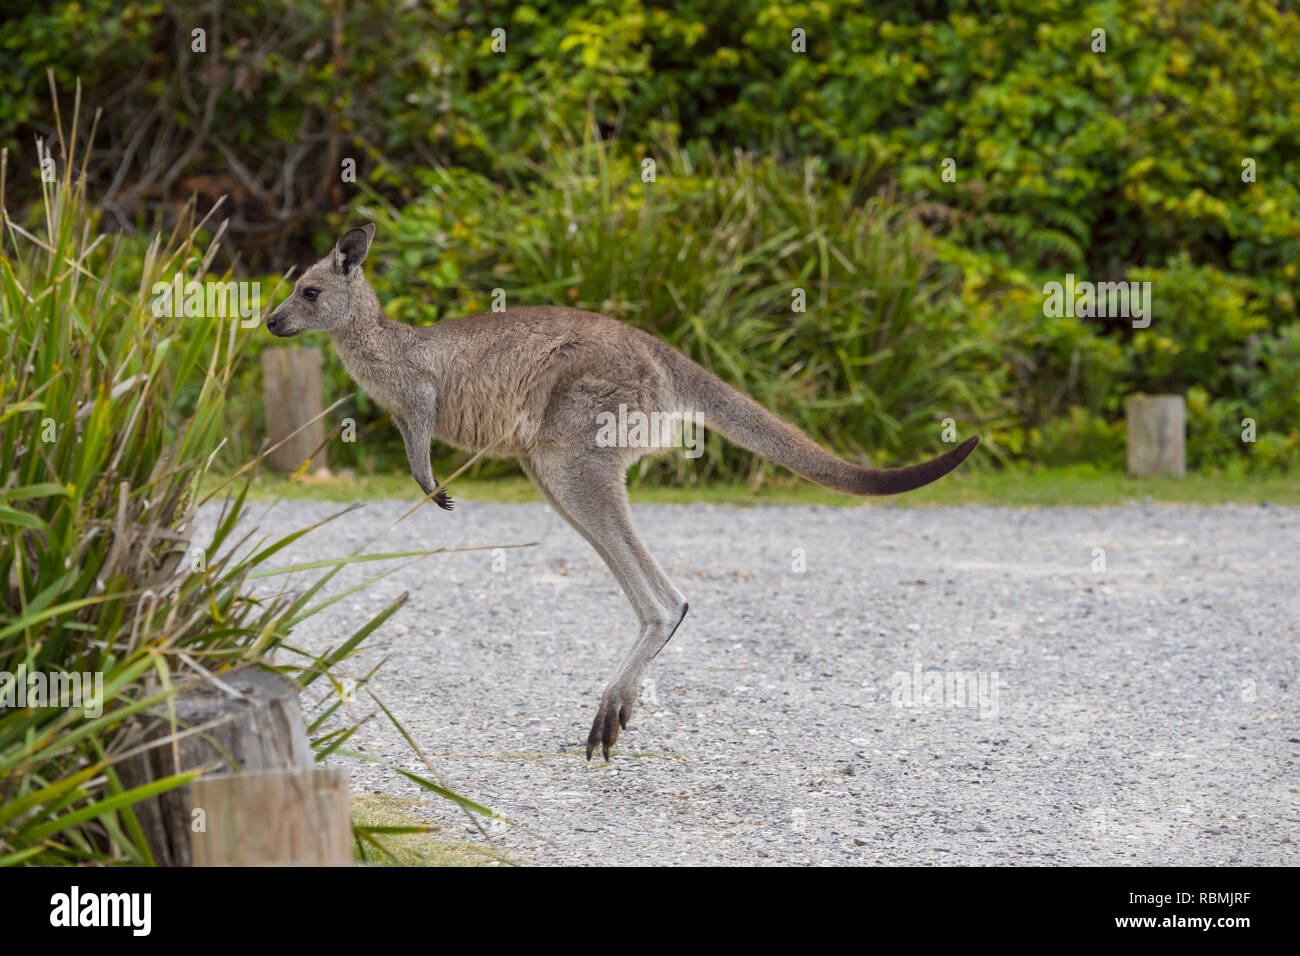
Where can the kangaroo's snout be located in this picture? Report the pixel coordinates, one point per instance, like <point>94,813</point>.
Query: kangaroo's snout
<point>277,326</point>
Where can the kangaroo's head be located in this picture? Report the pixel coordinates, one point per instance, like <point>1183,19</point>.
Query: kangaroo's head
<point>330,294</point>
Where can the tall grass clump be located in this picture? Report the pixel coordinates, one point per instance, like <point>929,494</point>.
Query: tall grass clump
<point>109,418</point>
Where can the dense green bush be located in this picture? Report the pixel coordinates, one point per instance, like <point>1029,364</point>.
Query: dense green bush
<point>713,257</point>
<point>1210,338</point>
<point>113,416</point>
<point>710,257</point>
<point>1122,164</point>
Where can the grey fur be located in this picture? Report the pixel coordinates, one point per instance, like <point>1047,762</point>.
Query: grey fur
<point>532,381</point>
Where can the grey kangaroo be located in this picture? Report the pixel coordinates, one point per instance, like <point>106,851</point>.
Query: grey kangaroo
<point>531,382</point>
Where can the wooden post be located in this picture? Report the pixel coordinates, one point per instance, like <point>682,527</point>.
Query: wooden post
<point>1156,435</point>
<point>274,818</point>
<point>260,730</point>
<point>292,393</point>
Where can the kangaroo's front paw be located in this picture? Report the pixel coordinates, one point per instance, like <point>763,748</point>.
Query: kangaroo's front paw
<point>615,710</point>
<point>440,498</point>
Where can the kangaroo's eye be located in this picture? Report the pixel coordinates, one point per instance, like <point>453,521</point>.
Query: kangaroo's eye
<point>310,294</point>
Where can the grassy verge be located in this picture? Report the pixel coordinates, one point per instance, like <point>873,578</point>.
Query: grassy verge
<point>112,413</point>
<point>1080,486</point>
<point>424,848</point>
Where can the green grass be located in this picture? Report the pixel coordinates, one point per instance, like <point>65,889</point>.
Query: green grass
<point>410,849</point>
<point>110,418</point>
<point>1081,486</point>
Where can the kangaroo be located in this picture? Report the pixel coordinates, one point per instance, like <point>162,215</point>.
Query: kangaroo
<point>533,383</point>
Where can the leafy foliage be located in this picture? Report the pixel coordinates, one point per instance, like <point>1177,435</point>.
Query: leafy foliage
<point>112,416</point>
<point>1171,156</point>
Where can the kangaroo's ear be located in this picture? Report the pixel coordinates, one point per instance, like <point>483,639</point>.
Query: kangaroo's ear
<point>352,247</point>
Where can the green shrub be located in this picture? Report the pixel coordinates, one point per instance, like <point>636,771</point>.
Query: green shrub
<point>1123,164</point>
<point>708,257</point>
<point>112,416</point>
<point>1079,438</point>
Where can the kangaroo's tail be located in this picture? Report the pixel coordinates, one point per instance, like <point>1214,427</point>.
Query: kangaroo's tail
<point>750,425</point>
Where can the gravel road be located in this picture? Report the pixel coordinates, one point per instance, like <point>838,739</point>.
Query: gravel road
<point>852,685</point>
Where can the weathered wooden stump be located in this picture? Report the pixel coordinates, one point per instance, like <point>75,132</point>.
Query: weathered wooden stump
<point>265,791</point>
<point>1156,435</point>
<point>277,817</point>
<point>293,393</point>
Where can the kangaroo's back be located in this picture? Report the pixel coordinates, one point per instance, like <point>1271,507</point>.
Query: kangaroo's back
<point>539,372</point>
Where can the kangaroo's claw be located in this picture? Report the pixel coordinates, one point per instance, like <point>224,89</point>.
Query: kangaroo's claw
<point>614,712</point>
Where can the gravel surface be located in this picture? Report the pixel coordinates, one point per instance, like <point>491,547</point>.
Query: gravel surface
<point>935,686</point>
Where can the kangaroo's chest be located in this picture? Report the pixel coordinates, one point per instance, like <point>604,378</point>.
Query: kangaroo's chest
<point>477,409</point>
<point>393,383</point>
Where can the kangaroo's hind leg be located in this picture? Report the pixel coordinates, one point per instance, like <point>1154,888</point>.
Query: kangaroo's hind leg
<point>589,492</point>
<point>559,509</point>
